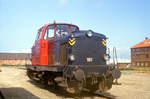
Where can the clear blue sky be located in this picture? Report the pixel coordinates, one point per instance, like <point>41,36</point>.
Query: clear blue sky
<point>124,22</point>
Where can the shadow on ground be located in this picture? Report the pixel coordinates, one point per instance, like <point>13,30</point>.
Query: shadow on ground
<point>59,91</point>
<point>16,93</point>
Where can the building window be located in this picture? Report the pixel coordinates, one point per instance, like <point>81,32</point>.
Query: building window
<point>133,50</point>
<point>147,56</point>
<point>133,64</point>
<point>138,64</point>
<point>142,64</point>
<point>146,64</point>
<point>146,49</point>
<point>137,49</point>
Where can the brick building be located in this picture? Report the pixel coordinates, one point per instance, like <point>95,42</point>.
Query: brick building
<point>140,53</point>
<point>123,65</point>
<point>15,58</point>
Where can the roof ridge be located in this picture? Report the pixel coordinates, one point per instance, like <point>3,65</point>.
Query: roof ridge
<point>145,43</point>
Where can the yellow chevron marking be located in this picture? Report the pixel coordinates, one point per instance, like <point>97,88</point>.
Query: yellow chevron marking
<point>72,41</point>
<point>103,42</point>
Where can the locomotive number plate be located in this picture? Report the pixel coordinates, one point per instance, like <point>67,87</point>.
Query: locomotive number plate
<point>89,59</point>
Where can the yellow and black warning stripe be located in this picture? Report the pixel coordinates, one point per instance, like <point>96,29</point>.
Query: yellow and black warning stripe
<point>103,42</point>
<point>72,41</point>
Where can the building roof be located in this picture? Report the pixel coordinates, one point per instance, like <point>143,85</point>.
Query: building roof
<point>145,43</point>
<point>15,56</point>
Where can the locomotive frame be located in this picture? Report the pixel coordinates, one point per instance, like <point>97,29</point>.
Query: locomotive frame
<point>71,58</point>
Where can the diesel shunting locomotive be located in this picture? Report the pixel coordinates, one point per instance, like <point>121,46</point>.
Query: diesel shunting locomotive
<point>63,55</point>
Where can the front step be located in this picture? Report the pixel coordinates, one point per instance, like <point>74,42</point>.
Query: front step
<point>62,84</point>
<point>59,79</point>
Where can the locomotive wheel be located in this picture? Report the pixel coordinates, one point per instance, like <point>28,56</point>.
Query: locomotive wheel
<point>30,74</point>
<point>73,90</point>
<point>74,87</point>
<point>102,85</point>
<point>52,83</point>
<point>42,78</point>
<point>106,83</point>
<point>109,81</point>
<point>93,88</point>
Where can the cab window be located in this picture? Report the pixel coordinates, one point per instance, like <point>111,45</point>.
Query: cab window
<point>61,29</point>
<point>49,32</point>
<point>64,29</point>
<point>39,34</point>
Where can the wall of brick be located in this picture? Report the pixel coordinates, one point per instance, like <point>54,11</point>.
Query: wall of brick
<point>123,65</point>
<point>14,62</point>
<point>140,56</point>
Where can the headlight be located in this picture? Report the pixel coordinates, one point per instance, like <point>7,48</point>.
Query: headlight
<point>72,35</point>
<point>106,56</point>
<point>89,33</point>
<point>71,57</point>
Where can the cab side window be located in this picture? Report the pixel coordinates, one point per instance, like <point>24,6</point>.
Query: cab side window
<point>39,34</point>
<point>49,32</point>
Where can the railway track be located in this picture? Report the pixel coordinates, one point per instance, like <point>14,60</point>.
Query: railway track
<point>1,95</point>
<point>106,95</point>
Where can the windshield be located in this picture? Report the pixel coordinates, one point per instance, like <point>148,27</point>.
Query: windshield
<point>66,28</point>
<point>61,29</point>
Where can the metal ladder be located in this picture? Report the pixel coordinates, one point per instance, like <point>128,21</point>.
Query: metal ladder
<point>115,58</point>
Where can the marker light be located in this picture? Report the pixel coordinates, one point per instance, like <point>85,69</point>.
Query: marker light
<point>106,56</point>
<point>72,58</point>
<point>89,33</point>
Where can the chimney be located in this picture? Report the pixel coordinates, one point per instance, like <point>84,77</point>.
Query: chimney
<point>146,38</point>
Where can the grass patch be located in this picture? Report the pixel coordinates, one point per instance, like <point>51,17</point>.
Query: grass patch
<point>13,66</point>
<point>142,68</point>
<point>128,68</point>
<point>137,68</point>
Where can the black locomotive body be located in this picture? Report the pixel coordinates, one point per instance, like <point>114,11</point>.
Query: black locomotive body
<point>77,61</point>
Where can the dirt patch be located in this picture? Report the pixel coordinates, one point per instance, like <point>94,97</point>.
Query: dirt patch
<point>14,84</point>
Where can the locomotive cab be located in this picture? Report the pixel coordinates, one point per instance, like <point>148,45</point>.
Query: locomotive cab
<point>66,56</point>
<point>46,48</point>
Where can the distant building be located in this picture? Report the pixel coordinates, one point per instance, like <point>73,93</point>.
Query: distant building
<point>140,53</point>
<point>15,58</point>
<point>123,65</point>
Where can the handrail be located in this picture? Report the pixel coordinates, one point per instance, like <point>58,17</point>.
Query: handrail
<point>115,59</point>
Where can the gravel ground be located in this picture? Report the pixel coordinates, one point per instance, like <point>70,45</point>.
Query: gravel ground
<point>14,84</point>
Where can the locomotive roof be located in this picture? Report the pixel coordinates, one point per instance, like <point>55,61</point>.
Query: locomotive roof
<point>60,24</point>
<point>99,34</point>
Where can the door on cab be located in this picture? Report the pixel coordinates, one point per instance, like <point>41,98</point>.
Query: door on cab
<point>36,49</point>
